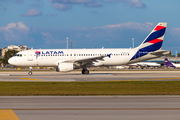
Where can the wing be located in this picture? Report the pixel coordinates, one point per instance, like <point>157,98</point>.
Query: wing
<point>88,61</point>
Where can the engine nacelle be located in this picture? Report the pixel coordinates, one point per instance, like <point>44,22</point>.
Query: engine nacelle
<point>65,67</point>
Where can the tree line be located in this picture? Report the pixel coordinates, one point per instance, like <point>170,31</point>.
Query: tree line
<point>8,55</point>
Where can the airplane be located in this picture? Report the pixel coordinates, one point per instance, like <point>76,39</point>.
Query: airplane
<point>69,59</point>
<point>146,64</point>
<point>168,63</point>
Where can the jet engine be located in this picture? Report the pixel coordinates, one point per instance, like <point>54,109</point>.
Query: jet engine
<point>64,67</point>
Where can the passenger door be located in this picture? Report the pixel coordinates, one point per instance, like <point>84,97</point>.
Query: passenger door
<point>30,56</point>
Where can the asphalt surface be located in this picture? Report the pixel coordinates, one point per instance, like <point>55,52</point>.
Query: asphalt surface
<point>92,107</point>
<point>48,76</point>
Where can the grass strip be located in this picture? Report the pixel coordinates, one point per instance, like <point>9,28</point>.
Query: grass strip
<point>90,88</point>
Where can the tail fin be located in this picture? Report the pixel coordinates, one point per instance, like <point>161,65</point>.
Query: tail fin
<point>168,63</point>
<point>152,42</point>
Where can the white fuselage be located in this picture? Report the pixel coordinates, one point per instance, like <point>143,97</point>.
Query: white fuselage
<point>51,57</point>
<point>146,64</point>
<point>177,65</point>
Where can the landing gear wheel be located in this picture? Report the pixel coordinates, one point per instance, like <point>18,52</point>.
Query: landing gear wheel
<point>30,72</point>
<point>82,71</point>
<point>85,71</point>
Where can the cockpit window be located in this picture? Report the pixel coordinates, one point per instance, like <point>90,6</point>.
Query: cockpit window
<point>18,55</point>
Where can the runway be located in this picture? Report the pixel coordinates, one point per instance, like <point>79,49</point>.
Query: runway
<point>75,76</point>
<point>91,107</point>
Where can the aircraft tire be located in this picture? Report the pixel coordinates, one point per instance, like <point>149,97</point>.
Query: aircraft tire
<point>30,72</point>
<point>82,71</point>
<point>86,72</point>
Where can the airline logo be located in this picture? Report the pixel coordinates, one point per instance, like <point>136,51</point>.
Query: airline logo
<point>47,52</point>
<point>37,53</point>
<point>109,55</point>
<point>52,52</point>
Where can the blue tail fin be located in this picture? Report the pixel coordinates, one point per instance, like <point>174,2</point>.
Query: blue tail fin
<point>152,42</point>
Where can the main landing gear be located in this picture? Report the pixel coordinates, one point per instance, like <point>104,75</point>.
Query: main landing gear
<point>85,71</point>
<point>30,71</point>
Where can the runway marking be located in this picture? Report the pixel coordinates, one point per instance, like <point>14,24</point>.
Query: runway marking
<point>98,109</point>
<point>155,79</point>
<point>8,114</point>
<point>30,79</point>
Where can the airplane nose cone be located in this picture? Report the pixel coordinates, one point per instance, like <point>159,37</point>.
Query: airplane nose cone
<point>10,61</point>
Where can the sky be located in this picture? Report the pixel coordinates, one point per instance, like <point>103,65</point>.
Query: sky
<point>45,24</point>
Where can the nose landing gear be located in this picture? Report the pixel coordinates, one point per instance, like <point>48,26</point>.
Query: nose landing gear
<point>30,71</point>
